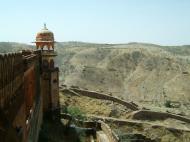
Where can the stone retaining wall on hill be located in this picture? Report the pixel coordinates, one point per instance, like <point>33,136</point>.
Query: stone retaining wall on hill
<point>84,124</point>
<point>151,115</point>
<point>101,96</point>
<point>97,125</point>
<point>138,114</point>
<point>121,122</point>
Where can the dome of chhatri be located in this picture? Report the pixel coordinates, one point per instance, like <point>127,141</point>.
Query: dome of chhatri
<point>45,38</point>
<point>45,35</point>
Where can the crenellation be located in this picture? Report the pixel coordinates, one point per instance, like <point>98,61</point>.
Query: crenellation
<point>7,70</point>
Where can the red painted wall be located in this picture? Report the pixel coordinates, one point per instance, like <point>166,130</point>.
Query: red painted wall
<point>29,89</point>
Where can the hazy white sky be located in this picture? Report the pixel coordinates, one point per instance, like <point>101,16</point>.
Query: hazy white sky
<point>165,22</point>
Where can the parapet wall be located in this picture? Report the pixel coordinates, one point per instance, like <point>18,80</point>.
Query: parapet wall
<point>11,77</point>
<point>19,94</point>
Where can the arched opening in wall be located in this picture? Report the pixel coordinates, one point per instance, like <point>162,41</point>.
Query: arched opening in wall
<point>51,63</point>
<point>47,46</point>
<point>45,64</point>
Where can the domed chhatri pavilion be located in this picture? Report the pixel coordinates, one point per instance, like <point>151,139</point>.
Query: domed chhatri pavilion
<point>45,38</point>
<point>50,73</point>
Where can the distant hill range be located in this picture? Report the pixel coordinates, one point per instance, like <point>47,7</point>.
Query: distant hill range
<point>6,47</point>
<point>135,71</point>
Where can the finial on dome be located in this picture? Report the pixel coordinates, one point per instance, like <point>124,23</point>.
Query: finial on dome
<point>45,26</point>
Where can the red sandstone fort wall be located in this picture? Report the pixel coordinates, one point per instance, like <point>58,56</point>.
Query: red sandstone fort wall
<point>54,90</point>
<point>29,88</point>
<point>19,74</point>
<point>11,73</point>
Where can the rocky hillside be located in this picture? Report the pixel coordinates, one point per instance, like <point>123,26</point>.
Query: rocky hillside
<point>135,71</point>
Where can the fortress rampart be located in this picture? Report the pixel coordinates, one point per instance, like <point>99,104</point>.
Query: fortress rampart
<point>20,101</point>
<point>11,73</point>
<point>21,98</point>
<point>28,89</point>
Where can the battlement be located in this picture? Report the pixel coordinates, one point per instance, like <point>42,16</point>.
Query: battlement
<point>23,89</point>
<point>11,72</point>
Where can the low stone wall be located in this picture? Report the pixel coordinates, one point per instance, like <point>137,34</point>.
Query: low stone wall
<point>70,92</point>
<point>151,115</point>
<point>121,122</point>
<point>96,125</point>
<point>107,130</point>
<point>84,124</point>
<point>138,114</point>
<point>97,95</point>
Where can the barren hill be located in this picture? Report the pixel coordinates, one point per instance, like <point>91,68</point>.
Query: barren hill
<point>13,47</point>
<point>135,71</point>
